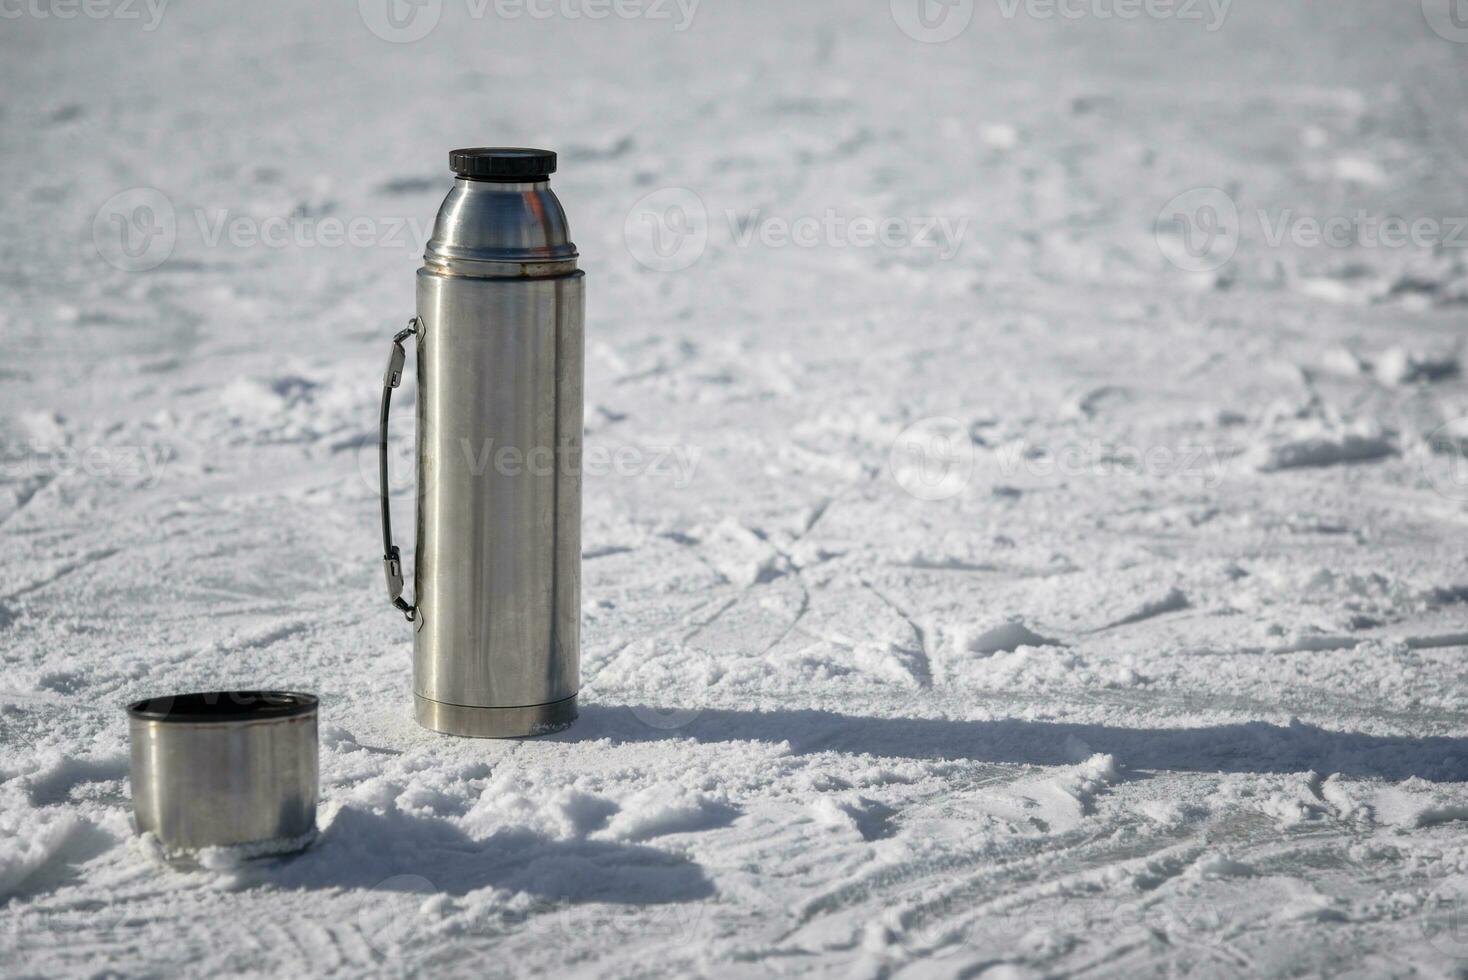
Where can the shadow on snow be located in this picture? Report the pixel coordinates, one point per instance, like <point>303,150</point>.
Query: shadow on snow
<point>1253,747</point>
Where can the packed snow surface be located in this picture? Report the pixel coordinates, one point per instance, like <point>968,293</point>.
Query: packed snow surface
<point>1014,543</point>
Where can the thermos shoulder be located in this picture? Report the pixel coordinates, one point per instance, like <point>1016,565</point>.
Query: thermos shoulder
<point>490,227</point>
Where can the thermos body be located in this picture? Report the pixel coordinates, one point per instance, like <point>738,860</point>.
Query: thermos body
<point>497,576</point>
<point>498,571</point>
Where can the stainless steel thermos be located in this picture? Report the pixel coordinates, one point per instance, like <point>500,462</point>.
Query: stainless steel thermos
<point>497,577</point>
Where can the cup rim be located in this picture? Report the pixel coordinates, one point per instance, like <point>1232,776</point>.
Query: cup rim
<point>212,707</point>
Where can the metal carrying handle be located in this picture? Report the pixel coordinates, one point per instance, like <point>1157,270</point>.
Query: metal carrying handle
<point>391,561</point>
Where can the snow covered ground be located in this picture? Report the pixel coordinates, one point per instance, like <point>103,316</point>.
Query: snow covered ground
<point>1058,571</point>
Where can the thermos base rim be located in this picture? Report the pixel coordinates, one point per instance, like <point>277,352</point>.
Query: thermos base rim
<point>479,722</point>
<point>189,858</point>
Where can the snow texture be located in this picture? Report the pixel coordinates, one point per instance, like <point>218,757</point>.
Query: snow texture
<point>1083,593</point>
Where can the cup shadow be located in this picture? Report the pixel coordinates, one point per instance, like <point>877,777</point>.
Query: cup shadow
<point>363,849</point>
<point>1253,747</point>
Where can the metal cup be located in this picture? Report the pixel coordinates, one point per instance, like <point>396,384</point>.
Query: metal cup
<point>231,769</point>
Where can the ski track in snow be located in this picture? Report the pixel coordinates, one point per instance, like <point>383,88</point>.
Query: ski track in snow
<point>1199,713</point>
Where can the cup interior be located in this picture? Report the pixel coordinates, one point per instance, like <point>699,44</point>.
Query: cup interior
<point>222,706</point>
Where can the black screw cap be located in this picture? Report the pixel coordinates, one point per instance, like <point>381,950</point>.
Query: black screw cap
<point>503,163</point>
